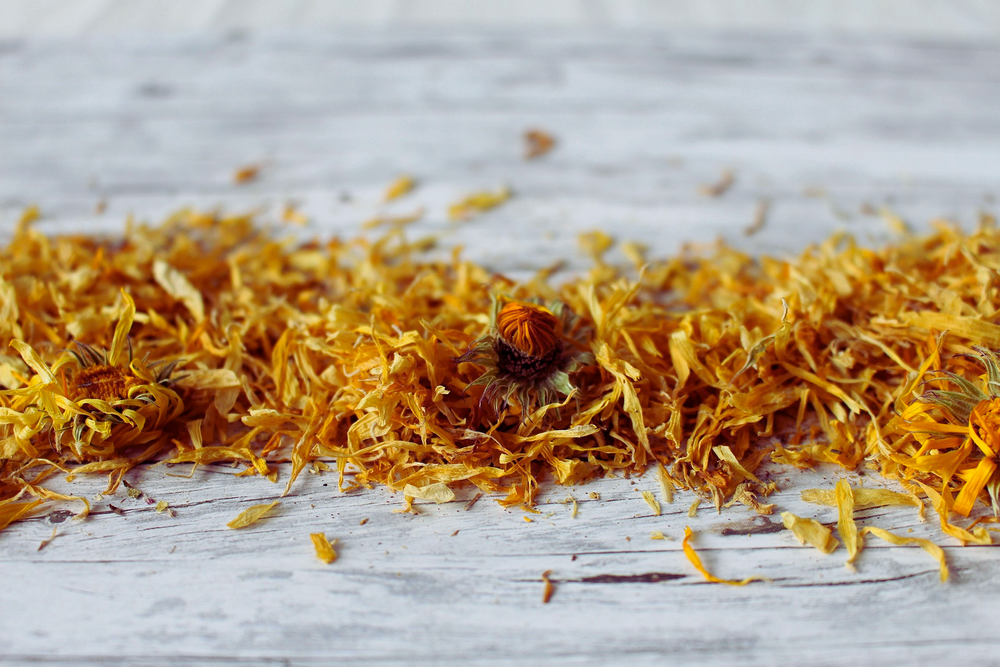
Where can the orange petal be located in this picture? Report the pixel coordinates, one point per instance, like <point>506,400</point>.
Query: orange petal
<point>967,497</point>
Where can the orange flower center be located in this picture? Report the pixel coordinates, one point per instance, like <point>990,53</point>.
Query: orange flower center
<point>106,383</point>
<point>530,329</point>
<point>985,420</point>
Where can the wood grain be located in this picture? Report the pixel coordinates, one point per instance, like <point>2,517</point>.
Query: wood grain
<point>642,121</point>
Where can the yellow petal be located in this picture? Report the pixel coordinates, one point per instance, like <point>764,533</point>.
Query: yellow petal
<point>651,501</point>
<point>399,187</point>
<point>251,515</point>
<point>216,378</point>
<point>665,483</point>
<point>941,502</point>
<point>33,360</point>
<point>811,532</point>
<point>928,546</point>
<point>863,498</point>
<point>969,328</point>
<point>120,340</point>
<point>726,454</point>
<point>324,549</point>
<point>967,497</point>
<point>477,203</point>
<point>693,558</point>
<point>11,512</point>
<point>439,492</point>
<point>179,287</point>
<point>845,521</point>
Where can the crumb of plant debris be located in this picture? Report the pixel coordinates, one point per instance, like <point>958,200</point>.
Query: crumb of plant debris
<point>44,543</point>
<point>720,187</point>
<point>399,187</point>
<point>549,587</point>
<point>759,217</point>
<point>324,548</point>
<point>477,203</point>
<point>246,174</point>
<point>475,499</point>
<point>537,143</point>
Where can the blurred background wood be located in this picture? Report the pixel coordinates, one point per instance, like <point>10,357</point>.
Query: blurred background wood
<point>950,19</point>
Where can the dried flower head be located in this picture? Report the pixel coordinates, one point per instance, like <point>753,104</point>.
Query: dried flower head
<point>974,415</point>
<point>531,330</point>
<point>527,355</point>
<point>97,378</point>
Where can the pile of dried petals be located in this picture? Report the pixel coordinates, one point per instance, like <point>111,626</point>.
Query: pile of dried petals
<point>208,339</point>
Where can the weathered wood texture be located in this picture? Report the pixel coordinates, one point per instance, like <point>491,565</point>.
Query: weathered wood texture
<point>642,120</point>
<point>955,19</point>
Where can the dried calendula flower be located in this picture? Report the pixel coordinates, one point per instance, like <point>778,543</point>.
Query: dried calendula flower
<point>528,354</point>
<point>108,406</point>
<point>98,379</point>
<point>966,443</point>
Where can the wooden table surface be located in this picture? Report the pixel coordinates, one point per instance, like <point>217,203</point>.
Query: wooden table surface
<point>819,127</point>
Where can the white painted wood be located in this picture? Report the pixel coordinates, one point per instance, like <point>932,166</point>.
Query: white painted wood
<point>642,121</point>
<point>933,19</point>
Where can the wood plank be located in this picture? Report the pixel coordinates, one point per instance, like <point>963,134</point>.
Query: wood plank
<point>642,120</point>
<point>406,585</point>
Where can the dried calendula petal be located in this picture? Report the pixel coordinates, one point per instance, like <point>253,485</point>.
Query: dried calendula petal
<point>251,515</point>
<point>693,509</point>
<point>666,484</point>
<point>863,498</point>
<point>720,187</point>
<point>549,587</point>
<point>210,339</point>
<point>928,546</point>
<point>846,527</point>
<point>651,501</point>
<point>11,512</point>
<point>435,493</point>
<point>538,143</point>
<point>477,203</point>
<point>695,560</point>
<point>576,507</point>
<point>324,548</point>
<point>811,532</point>
<point>246,174</point>
<point>399,187</point>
